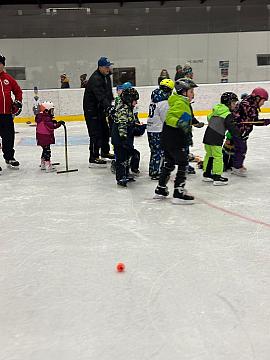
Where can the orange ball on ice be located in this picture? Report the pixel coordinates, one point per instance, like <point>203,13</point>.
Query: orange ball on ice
<point>120,267</point>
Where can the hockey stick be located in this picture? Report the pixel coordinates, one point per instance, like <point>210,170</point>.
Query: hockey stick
<point>66,155</point>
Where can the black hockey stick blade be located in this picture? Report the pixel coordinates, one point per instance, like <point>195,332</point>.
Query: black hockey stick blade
<point>66,171</point>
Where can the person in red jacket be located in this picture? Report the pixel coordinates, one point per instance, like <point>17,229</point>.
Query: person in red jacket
<point>8,109</point>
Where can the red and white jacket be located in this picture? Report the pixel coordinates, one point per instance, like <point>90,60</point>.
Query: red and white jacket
<point>8,85</point>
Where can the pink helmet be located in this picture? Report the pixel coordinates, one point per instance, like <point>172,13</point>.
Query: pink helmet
<point>262,93</point>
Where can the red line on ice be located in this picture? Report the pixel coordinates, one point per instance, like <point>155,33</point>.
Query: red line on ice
<point>247,218</point>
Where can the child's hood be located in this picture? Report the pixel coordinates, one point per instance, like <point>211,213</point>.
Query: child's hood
<point>220,110</point>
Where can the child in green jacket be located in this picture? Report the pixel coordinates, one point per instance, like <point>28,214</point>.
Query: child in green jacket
<point>219,121</point>
<point>176,137</point>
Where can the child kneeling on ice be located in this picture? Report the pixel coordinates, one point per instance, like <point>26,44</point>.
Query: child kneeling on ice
<point>45,133</point>
<point>123,134</point>
<point>176,136</point>
<point>219,121</point>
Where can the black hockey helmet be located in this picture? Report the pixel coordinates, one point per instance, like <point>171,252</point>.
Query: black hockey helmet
<point>184,84</point>
<point>2,59</point>
<point>228,97</point>
<point>129,95</point>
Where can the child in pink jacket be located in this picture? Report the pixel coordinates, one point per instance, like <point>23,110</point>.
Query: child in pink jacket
<point>45,133</point>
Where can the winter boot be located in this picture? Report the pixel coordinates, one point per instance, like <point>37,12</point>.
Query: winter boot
<point>42,164</point>
<point>219,180</point>
<point>161,192</point>
<point>180,197</point>
<point>97,163</point>
<point>13,164</point>
<point>48,167</point>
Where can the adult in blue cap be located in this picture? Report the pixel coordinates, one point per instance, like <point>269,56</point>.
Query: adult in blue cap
<point>97,101</point>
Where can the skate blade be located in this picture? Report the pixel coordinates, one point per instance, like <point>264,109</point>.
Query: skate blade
<point>207,180</point>
<point>97,166</point>
<point>107,159</point>
<point>13,167</point>
<point>50,171</point>
<point>219,183</point>
<point>159,197</point>
<point>240,175</point>
<point>177,201</point>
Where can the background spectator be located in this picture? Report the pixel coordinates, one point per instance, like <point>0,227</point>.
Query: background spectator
<point>64,81</point>
<point>83,79</point>
<point>163,75</point>
<point>187,71</point>
<point>179,73</point>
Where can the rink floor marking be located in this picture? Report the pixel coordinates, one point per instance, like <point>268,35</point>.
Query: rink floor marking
<point>233,213</point>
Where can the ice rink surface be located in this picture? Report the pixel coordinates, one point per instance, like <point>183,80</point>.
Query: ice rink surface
<point>197,279</point>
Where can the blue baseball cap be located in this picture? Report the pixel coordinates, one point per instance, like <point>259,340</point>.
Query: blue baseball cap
<point>103,61</point>
<point>119,87</point>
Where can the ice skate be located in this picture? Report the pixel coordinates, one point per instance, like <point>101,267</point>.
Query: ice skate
<point>135,172</point>
<point>97,163</point>
<point>131,178</point>
<point>155,177</point>
<point>108,156</point>
<point>191,170</point>
<point>13,164</point>
<point>113,166</point>
<point>180,197</point>
<point>219,180</point>
<point>239,172</point>
<point>122,182</point>
<point>48,167</point>
<point>207,177</point>
<point>42,164</point>
<point>161,192</point>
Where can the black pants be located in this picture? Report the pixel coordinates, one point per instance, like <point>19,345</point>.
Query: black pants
<point>98,130</point>
<point>171,158</point>
<point>122,156</point>
<point>7,133</point>
<point>135,160</point>
<point>46,153</point>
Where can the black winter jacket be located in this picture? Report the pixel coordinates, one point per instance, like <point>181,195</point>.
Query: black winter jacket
<point>98,94</point>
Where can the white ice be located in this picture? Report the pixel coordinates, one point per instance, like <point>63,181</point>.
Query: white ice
<point>197,279</point>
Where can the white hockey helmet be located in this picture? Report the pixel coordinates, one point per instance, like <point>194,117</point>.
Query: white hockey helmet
<point>46,105</point>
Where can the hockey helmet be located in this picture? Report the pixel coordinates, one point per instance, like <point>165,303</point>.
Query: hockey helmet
<point>183,85</point>
<point>167,85</point>
<point>129,95</point>
<point>228,97</point>
<point>261,93</point>
<point>46,105</point>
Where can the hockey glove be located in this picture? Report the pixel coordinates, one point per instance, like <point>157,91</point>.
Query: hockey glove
<point>16,108</point>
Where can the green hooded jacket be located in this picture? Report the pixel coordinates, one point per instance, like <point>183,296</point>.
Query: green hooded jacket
<point>179,113</point>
